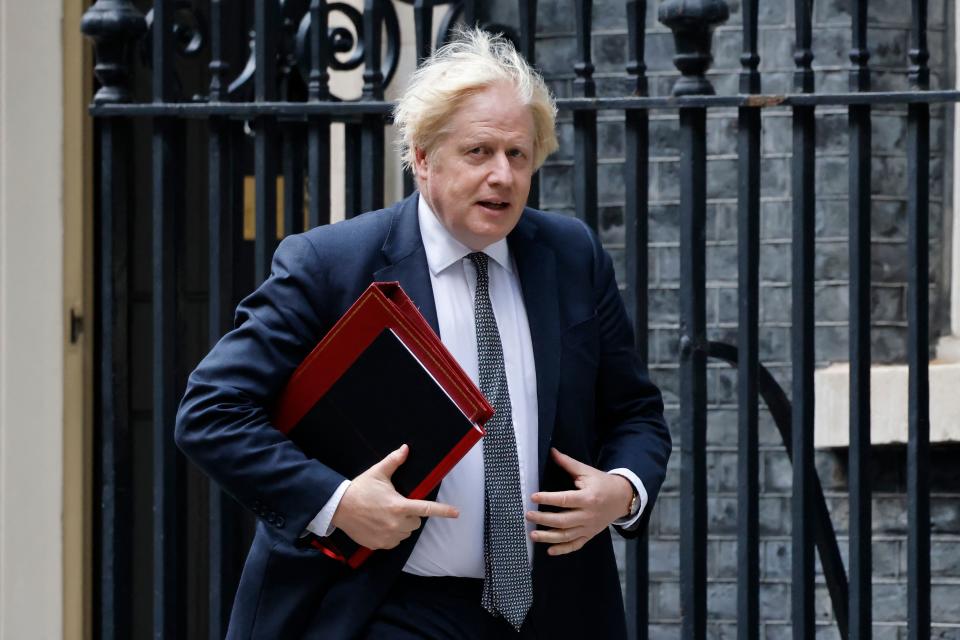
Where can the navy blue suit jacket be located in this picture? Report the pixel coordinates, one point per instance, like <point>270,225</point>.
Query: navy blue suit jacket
<point>595,401</point>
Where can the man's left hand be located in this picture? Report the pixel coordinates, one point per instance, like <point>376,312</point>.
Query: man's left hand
<point>598,500</point>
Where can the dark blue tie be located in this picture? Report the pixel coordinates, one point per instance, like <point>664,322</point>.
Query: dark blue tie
<point>507,584</point>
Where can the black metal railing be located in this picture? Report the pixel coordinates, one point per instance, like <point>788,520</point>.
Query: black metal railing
<point>281,94</point>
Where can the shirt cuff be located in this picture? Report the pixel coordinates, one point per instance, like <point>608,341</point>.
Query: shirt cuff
<point>322,523</point>
<point>628,522</point>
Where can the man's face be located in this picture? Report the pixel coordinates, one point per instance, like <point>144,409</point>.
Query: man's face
<point>477,178</point>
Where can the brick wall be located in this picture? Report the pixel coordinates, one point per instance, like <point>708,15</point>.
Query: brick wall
<point>889,43</point>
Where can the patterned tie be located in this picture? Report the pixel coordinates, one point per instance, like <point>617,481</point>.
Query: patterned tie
<point>507,583</point>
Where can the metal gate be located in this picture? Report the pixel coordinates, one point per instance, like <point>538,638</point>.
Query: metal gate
<point>262,119</point>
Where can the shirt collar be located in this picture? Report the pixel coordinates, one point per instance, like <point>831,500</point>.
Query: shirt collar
<point>443,249</point>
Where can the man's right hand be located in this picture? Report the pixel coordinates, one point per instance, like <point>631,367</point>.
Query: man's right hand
<point>374,515</point>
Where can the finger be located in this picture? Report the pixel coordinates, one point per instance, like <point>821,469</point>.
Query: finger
<point>556,536</point>
<point>563,499</point>
<point>567,547</point>
<point>428,509</point>
<point>571,465</point>
<point>386,467</point>
<point>562,520</point>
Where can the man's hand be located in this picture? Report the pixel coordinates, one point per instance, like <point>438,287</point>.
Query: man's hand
<point>374,515</point>
<point>599,499</point>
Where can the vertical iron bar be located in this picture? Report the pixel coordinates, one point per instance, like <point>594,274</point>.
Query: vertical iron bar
<point>352,170</point>
<point>372,134</point>
<point>318,127</point>
<point>585,122</point>
<point>748,241</point>
<point>859,217</point>
<point>168,489</point>
<point>693,373</point>
<point>266,27</point>
<point>692,25</point>
<point>636,177</point>
<point>218,65</point>
<point>527,10</point>
<point>116,493</point>
<point>224,517</point>
<point>292,162</point>
<point>113,27</point>
<point>918,442</point>
<point>423,33</point>
<point>802,339</point>
<point>918,447</point>
<point>469,12</point>
<point>423,28</point>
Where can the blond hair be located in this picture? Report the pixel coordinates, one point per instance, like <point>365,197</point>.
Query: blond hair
<point>473,61</point>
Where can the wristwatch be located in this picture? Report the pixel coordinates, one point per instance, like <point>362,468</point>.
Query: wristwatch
<point>634,502</point>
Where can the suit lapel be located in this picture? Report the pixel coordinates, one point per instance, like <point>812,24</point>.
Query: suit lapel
<point>537,270</point>
<point>407,261</point>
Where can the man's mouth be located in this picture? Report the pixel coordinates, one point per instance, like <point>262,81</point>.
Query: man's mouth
<point>495,205</point>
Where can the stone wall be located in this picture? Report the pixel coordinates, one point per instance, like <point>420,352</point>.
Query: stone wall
<point>889,42</point>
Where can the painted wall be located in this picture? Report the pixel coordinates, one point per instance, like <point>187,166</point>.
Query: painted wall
<point>31,328</point>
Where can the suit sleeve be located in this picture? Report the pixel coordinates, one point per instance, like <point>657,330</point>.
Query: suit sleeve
<point>223,424</point>
<point>633,432</point>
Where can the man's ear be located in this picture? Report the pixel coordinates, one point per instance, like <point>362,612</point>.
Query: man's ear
<point>419,162</point>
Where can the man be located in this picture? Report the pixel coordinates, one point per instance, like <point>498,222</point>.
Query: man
<point>516,543</point>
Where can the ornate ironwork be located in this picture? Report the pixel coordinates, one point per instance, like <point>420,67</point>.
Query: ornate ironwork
<point>189,36</point>
<point>249,69</point>
<point>318,83</point>
<point>218,66</point>
<point>190,31</point>
<point>692,23</point>
<point>341,40</point>
<point>113,25</point>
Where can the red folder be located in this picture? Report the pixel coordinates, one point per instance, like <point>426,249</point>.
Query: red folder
<point>380,318</point>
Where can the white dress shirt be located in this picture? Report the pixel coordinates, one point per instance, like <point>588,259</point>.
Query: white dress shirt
<point>454,546</point>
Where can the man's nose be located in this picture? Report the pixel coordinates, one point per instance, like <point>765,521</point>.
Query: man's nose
<point>500,171</point>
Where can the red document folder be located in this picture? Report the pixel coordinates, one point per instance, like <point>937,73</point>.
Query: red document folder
<point>378,379</point>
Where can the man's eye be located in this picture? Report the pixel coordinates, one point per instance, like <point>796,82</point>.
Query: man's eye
<point>516,153</point>
<point>476,151</point>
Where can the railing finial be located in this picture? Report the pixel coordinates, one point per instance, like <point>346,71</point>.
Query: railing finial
<point>636,32</point>
<point>113,25</point>
<point>919,55</point>
<point>692,23</point>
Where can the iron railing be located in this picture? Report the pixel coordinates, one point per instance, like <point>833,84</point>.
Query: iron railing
<point>292,139</point>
